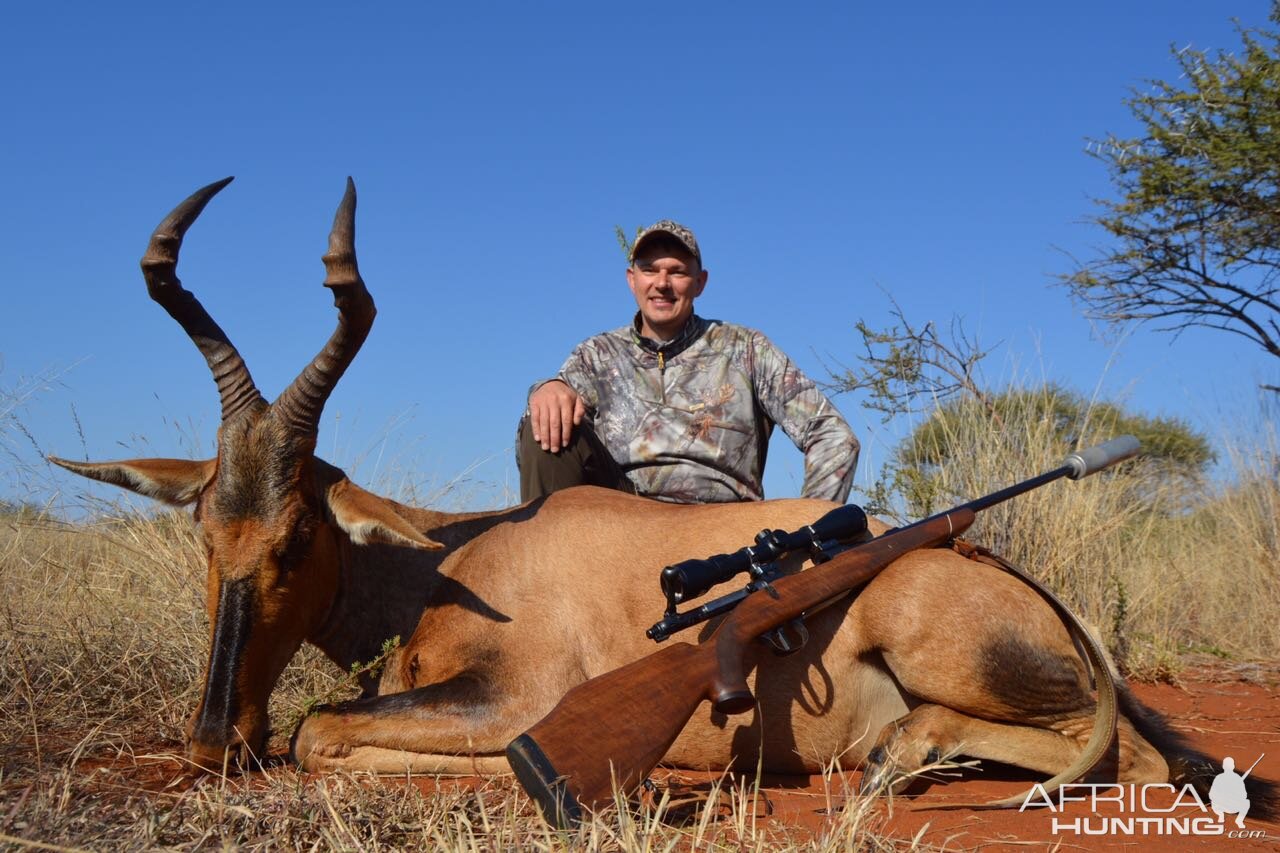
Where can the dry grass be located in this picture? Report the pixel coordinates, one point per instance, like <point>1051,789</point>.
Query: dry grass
<point>104,636</point>
<point>103,810</point>
<point>1160,562</point>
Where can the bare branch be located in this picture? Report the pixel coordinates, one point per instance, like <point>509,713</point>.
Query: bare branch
<point>906,364</point>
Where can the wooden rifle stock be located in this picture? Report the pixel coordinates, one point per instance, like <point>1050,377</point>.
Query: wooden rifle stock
<point>615,728</point>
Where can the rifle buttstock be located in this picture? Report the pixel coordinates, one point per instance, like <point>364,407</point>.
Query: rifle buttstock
<point>610,731</point>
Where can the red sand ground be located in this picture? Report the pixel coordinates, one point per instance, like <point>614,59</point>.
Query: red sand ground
<point>1221,712</point>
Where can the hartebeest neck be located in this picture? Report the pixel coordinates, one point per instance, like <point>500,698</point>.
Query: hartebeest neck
<point>383,590</point>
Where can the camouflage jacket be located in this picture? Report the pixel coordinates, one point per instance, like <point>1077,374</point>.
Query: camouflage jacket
<point>689,420</point>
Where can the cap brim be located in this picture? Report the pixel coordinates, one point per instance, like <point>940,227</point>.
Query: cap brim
<point>648,235</point>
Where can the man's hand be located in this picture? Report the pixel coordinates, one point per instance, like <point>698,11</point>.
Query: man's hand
<point>554,410</point>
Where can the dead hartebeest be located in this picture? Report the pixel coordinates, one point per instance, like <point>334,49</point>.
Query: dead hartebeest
<point>937,656</point>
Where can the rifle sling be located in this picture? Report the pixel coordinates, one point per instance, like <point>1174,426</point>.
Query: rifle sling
<point>1104,721</point>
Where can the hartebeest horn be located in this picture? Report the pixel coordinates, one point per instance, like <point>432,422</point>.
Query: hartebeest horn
<point>302,402</point>
<point>160,269</point>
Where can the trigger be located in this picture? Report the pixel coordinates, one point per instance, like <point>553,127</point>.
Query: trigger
<point>789,638</point>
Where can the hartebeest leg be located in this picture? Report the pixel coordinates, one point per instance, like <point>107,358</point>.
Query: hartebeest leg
<point>455,726</point>
<point>931,733</point>
<point>1014,690</point>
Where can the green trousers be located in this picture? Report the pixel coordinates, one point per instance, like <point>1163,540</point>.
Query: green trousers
<point>584,462</point>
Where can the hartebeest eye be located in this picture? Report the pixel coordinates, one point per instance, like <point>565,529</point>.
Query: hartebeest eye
<point>292,550</point>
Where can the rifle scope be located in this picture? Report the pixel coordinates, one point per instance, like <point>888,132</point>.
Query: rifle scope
<point>689,579</point>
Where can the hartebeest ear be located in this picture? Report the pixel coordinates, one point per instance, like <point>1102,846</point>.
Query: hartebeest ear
<point>370,519</point>
<point>174,481</point>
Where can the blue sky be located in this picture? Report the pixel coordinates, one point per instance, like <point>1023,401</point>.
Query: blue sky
<point>825,154</point>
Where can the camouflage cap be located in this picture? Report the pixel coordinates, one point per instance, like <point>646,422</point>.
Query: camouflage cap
<point>676,230</point>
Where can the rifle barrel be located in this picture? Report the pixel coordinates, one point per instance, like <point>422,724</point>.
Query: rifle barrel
<point>1016,489</point>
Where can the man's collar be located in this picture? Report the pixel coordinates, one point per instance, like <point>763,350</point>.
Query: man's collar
<point>692,330</point>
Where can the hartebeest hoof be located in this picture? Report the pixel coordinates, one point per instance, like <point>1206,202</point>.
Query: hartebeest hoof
<point>877,774</point>
<point>886,772</point>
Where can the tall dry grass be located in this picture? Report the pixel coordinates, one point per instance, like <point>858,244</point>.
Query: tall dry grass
<point>1160,560</point>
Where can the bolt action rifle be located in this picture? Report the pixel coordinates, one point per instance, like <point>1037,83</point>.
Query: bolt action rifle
<point>571,760</point>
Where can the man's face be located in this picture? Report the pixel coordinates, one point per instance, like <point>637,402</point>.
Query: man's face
<point>665,280</point>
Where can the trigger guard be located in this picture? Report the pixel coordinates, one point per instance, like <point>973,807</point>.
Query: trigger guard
<point>788,639</point>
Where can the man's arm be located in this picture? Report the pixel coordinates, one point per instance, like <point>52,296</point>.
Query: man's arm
<point>830,448</point>
<point>554,410</point>
<point>809,419</point>
<point>558,405</point>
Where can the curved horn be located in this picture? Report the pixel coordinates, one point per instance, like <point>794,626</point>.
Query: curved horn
<point>160,269</point>
<point>302,402</point>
